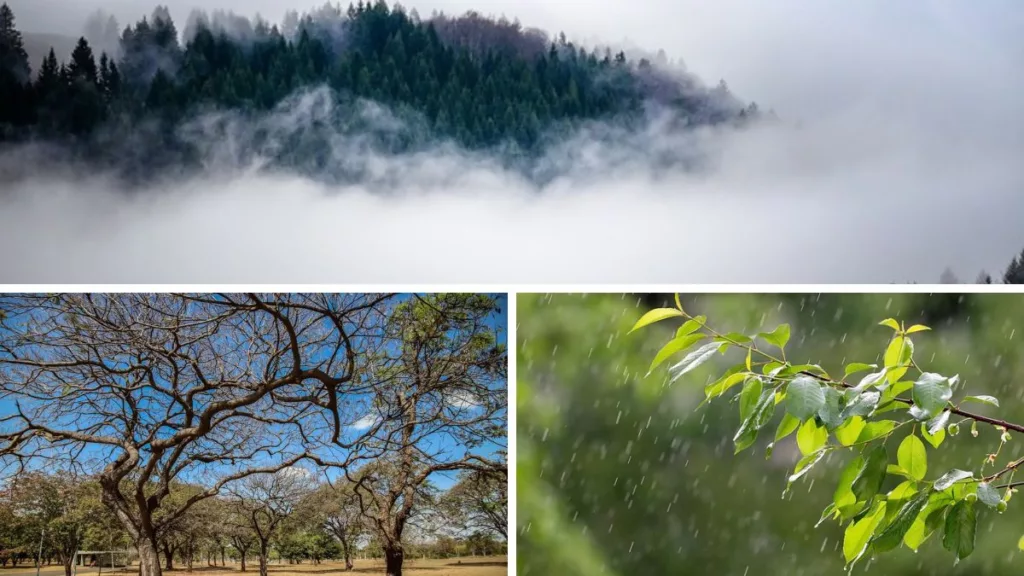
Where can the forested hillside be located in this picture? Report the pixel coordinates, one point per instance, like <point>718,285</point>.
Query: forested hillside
<point>485,84</point>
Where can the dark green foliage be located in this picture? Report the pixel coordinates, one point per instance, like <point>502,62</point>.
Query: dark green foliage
<point>500,93</point>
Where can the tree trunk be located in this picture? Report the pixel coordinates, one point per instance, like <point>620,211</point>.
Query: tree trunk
<point>168,557</point>
<point>242,553</point>
<point>67,565</point>
<point>263,559</point>
<point>223,562</point>
<point>149,559</point>
<point>393,558</point>
<point>348,554</point>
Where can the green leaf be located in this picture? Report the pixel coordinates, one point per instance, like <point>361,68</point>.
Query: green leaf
<point>811,437</point>
<point>862,405</point>
<point>656,315</point>
<point>950,478</point>
<point>876,429</point>
<point>937,424</point>
<point>691,326</point>
<point>727,381</point>
<point>673,347</point>
<point>931,394</point>
<point>805,464</point>
<point>787,426</point>
<point>694,359</point>
<point>857,534</point>
<point>804,397</point>
<point>961,526</point>
<point>899,352</point>
<point>848,433</point>
<point>856,367</point>
<point>917,328</point>
<point>778,337</point>
<point>983,399</point>
<point>844,497</point>
<point>988,494</point>
<point>912,457</point>
<point>897,529</point>
<point>749,396</point>
<point>734,338</point>
<point>760,415</point>
<point>1020,543</point>
<point>904,490</point>
<point>831,412</point>
<point>934,439</point>
<point>679,304</point>
<point>927,521</point>
<point>872,473</point>
<point>891,323</point>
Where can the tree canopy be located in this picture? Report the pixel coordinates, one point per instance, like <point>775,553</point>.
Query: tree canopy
<point>484,84</point>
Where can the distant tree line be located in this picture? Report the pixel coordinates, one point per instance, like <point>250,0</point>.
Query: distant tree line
<point>289,516</point>
<point>484,84</point>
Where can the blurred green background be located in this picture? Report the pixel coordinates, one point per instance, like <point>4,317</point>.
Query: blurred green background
<point>619,474</point>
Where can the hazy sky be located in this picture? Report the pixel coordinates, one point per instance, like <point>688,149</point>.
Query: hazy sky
<point>907,159</point>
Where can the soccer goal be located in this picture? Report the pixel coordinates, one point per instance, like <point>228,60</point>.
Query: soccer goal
<point>112,560</point>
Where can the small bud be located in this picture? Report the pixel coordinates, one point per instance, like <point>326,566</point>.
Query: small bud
<point>1001,507</point>
<point>953,429</point>
<point>971,497</point>
<point>974,429</point>
<point>1005,437</point>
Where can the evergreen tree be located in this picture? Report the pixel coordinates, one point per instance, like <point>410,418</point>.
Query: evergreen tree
<point>83,64</point>
<point>1015,271</point>
<point>13,58</point>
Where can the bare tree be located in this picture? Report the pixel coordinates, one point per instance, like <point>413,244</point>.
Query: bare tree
<point>267,500</point>
<point>438,403</point>
<point>145,388</point>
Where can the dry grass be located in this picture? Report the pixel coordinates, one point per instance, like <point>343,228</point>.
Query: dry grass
<point>476,566</point>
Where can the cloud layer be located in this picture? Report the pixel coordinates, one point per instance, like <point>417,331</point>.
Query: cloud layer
<point>898,155</point>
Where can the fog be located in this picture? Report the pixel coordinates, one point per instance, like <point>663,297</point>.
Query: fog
<point>898,155</point>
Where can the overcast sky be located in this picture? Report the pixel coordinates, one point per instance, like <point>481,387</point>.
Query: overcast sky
<point>908,159</point>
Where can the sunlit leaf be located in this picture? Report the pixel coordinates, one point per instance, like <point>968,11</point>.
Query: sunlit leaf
<point>856,367</point>
<point>830,412</point>
<point>691,326</point>
<point>934,439</point>
<point>912,457</point>
<point>811,437</point>
<point>875,429</point>
<point>899,352</point>
<point>787,426</point>
<point>904,490</point>
<point>723,384</point>
<point>891,323</point>
<point>848,433</point>
<point>656,315</point>
<point>749,396</point>
<point>917,328</point>
<point>778,337</point>
<point>857,534</point>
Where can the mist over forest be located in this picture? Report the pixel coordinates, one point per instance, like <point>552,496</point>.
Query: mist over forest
<point>146,139</point>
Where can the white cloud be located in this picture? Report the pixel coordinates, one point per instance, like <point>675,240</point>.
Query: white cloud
<point>365,422</point>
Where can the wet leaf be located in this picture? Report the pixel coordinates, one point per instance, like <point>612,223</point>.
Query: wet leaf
<point>931,393</point>
<point>856,367</point>
<point>848,433</point>
<point>917,328</point>
<point>694,359</point>
<point>871,475</point>
<point>876,429</point>
<point>673,347</point>
<point>804,397</point>
<point>988,494</point>
<point>983,399</point>
<point>787,426</point>
<point>951,477</point>
<point>891,323</point>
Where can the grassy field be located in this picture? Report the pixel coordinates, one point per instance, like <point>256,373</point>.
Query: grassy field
<point>470,566</point>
